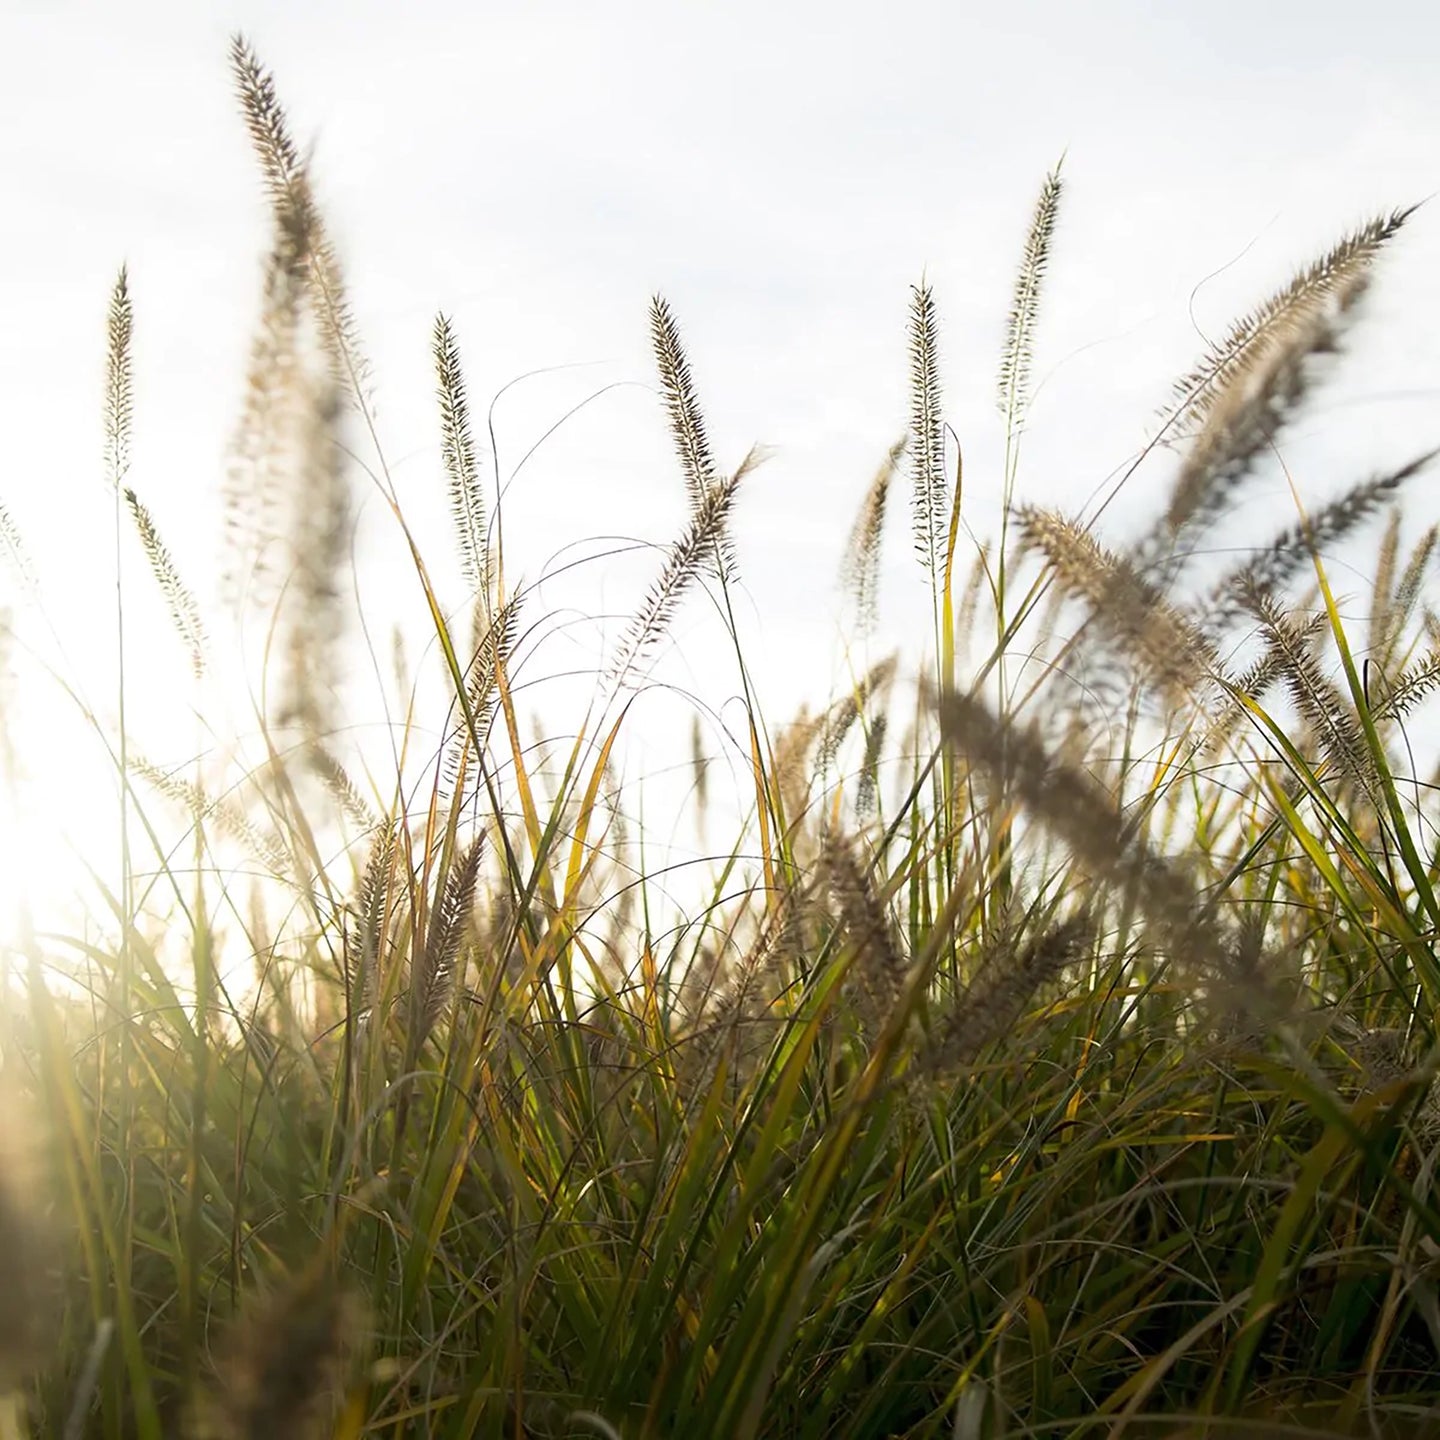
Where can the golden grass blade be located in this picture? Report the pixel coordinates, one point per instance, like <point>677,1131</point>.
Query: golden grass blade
<point>578,864</point>
<point>762,811</point>
<point>948,628</point>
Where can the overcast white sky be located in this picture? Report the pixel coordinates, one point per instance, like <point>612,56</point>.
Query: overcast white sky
<point>781,172</point>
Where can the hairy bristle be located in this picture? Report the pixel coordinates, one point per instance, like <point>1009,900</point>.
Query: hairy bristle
<point>1085,817</point>
<point>1251,684</point>
<point>730,1004</point>
<point>840,718</point>
<point>377,898</point>
<point>460,767</point>
<point>1396,599</point>
<point>262,450</point>
<point>1414,684</point>
<point>1333,724</point>
<point>867,789</point>
<point>16,552</point>
<point>791,767</point>
<point>1246,389</point>
<point>324,763</point>
<point>1243,420</point>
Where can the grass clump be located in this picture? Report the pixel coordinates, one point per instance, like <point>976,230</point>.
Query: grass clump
<point>1008,1081</point>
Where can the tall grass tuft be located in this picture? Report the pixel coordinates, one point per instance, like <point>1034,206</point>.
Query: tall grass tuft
<point>1049,1048</point>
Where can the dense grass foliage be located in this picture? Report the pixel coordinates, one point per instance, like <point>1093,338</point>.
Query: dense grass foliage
<point>1012,1081</point>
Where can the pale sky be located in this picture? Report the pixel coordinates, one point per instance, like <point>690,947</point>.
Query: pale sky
<point>781,173</point>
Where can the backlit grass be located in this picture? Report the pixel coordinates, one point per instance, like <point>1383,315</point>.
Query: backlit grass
<point>1012,1080</point>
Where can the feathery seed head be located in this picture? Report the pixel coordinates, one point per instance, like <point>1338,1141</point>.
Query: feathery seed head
<point>878,968</point>
<point>1144,627</point>
<point>1337,274</point>
<point>287,183</point>
<point>926,438</point>
<point>1015,363</point>
<point>462,468</point>
<point>706,536</point>
<point>994,1000</point>
<point>860,567</point>
<point>119,382</point>
<point>687,427</point>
